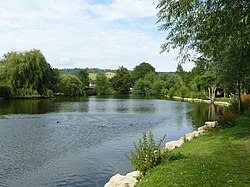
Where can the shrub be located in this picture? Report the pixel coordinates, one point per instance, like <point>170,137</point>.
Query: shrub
<point>5,91</point>
<point>226,119</point>
<point>146,154</point>
<point>234,104</point>
<point>176,156</point>
<point>246,102</point>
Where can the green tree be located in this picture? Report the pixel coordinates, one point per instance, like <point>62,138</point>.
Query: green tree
<point>70,85</point>
<point>84,77</point>
<point>142,87</point>
<point>27,73</point>
<point>121,82</point>
<point>141,70</point>
<point>103,85</point>
<point>55,80</point>
<point>219,30</point>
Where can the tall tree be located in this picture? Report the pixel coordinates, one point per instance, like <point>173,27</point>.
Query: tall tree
<point>121,82</point>
<point>218,30</point>
<point>103,85</point>
<point>84,77</point>
<point>26,71</point>
<point>141,70</point>
<point>70,85</point>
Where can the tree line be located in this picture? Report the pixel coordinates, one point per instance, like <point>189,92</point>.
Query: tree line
<point>218,31</point>
<point>28,74</point>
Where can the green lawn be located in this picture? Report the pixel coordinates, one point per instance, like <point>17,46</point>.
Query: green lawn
<point>109,75</point>
<point>217,158</point>
<point>223,99</point>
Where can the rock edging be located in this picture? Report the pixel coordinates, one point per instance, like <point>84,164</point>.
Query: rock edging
<point>200,100</point>
<point>187,137</point>
<point>130,179</point>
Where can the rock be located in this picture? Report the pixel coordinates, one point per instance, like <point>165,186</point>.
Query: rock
<point>210,124</point>
<point>196,133</point>
<point>201,131</point>
<point>204,127</point>
<point>118,180</point>
<point>207,101</point>
<point>174,144</point>
<point>189,136</point>
<point>134,174</point>
<point>171,145</point>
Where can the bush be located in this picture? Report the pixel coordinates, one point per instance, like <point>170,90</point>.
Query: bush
<point>234,104</point>
<point>146,154</point>
<point>5,92</point>
<point>226,120</point>
<point>246,102</point>
<point>176,156</point>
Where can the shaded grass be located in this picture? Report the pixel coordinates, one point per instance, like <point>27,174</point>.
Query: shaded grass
<point>217,158</point>
<point>222,99</point>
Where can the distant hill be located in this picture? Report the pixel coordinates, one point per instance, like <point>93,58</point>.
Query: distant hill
<point>92,72</point>
<point>95,71</point>
<point>166,73</point>
<point>75,71</point>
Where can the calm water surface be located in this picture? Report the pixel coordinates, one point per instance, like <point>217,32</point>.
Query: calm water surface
<point>84,141</point>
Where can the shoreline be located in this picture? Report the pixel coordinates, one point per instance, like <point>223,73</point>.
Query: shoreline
<point>130,179</point>
<point>200,100</point>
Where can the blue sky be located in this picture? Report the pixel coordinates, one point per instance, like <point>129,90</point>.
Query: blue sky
<point>86,33</point>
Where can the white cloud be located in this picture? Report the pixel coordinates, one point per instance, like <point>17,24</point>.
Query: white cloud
<point>79,34</point>
<point>125,9</point>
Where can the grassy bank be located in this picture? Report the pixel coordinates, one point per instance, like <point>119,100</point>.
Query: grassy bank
<point>217,158</point>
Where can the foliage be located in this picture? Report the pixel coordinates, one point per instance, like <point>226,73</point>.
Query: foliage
<point>70,85</point>
<point>234,104</point>
<point>219,30</point>
<point>176,156</point>
<point>141,87</point>
<point>121,82</point>
<point>5,92</point>
<point>246,102</point>
<point>226,120</point>
<point>146,154</point>
<point>26,73</point>
<point>140,71</point>
<point>103,85</point>
<point>84,77</point>
<point>218,158</point>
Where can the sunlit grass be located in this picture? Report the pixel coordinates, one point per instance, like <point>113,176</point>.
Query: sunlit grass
<point>92,76</point>
<point>218,158</point>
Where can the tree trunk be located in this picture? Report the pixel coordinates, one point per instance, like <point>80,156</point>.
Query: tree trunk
<point>239,94</point>
<point>211,92</point>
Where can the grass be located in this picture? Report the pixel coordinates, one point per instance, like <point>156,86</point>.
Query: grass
<point>217,158</point>
<point>222,99</point>
<point>109,75</point>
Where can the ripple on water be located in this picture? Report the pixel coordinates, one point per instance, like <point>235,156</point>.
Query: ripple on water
<point>65,147</point>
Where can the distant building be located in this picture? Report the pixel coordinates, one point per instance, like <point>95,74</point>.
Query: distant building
<point>92,83</point>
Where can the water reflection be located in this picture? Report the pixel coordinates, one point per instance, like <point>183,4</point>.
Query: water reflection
<point>83,141</point>
<point>202,112</point>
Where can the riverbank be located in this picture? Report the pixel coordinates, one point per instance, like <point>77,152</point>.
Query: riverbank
<point>222,103</point>
<point>218,158</point>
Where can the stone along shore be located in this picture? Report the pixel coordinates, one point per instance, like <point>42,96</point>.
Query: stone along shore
<point>130,179</point>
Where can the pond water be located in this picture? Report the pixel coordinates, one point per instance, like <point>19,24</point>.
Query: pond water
<point>83,141</point>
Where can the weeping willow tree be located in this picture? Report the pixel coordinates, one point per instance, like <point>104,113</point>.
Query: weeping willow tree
<point>218,30</point>
<point>26,73</point>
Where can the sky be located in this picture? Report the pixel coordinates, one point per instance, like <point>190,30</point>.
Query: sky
<point>102,34</point>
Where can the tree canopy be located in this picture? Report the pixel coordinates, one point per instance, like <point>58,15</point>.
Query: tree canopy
<point>121,82</point>
<point>26,72</point>
<point>70,85</point>
<point>219,30</point>
<point>141,70</point>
